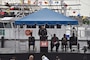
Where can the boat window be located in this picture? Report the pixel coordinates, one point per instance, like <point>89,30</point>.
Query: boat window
<point>34,26</point>
<point>7,25</point>
<point>40,26</point>
<point>58,26</point>
<point>28,26</point>
<point>47,26</point>
<point>15,26</point>
<point>2,32</point>
<point>21,26</point>
<point>1,25</point>
<point>31,26</point>
<point>51,26</point>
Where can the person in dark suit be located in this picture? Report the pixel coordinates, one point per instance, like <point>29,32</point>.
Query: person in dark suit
<point>55,42</point>
<point>2,42</point>
<point>42,33</point>
<point>88,42</point>
<point>73,40</point>
<point>73,30</point>
<point>64,41</point>
<point>31,41</point>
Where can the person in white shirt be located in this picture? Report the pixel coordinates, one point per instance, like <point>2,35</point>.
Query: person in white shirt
<point>44,57</point>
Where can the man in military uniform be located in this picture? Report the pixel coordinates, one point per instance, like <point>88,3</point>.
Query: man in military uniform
<point>42,33</point>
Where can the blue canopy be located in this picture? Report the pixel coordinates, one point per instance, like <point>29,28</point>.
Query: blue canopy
<point>46,16</point>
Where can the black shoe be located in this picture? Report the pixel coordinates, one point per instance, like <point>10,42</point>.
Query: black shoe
<point>56,50</point>
<point>65,50</point>
<point>51,50</point>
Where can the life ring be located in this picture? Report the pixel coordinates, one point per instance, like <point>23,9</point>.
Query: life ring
<point>27,32</point>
